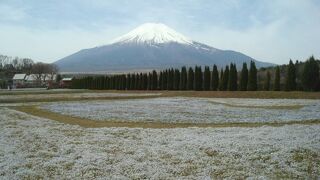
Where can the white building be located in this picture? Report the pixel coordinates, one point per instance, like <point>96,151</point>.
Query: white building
<point>32,80</point>
<point>19,80</point>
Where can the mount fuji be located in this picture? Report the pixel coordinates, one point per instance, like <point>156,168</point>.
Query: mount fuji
<point>150,46</point>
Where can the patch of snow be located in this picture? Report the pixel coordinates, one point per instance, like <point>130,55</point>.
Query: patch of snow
<point>190,110</point>
<point>153,33</point>
<point>37,148</point>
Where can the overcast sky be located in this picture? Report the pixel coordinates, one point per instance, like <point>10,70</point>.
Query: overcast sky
<point>267,30</point>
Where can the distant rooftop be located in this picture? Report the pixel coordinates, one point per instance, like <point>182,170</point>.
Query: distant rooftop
<point>19,76</point>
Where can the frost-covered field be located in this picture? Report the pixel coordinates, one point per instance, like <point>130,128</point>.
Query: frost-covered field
<point>35,148</point>
<point>192,110</point>
<point>73,95</point>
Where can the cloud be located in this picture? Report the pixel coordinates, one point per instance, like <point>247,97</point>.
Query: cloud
<point>50,45</point>
<point>267,30</point>
<point>9,13</point>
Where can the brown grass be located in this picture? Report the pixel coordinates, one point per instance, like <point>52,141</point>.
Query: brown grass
<point>288,107</point>
<point>204,94</point>
<point>87,123</point>
<point>57,99</point>
<point>227,94</point>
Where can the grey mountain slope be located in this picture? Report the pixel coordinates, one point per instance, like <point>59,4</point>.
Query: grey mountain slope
<point>133,56</point>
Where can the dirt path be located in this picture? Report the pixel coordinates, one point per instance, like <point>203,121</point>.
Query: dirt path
<point>87,123</point>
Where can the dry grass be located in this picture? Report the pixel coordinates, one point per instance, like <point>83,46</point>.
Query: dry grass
<point>204,94</point>
<point>291,107</point>
<point>227,94</point>
<point>57,99</point>
<point>33,110</point>
<point>246,94</point>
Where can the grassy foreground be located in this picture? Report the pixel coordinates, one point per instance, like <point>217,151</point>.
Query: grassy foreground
<point>87,123</point>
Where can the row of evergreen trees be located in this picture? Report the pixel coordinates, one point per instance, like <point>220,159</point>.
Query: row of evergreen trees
<point>169,79</point>
<point>196,79</point>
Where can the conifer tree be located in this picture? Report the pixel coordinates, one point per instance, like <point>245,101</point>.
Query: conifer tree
<point>164,80</point>
<point>190,79</point>
<point>128,81</point>
<point>170,79</point>
<point>176,79</point>
<point>149,82</point>
<point>221,80</point>
<point>291,77</point>
<point>145,81</point>
<point>183,80</point>
<point>160,80</point>
<point>136,85</point>
<point>116,82</point>
<point>233,78</point>
<point>310,75</point>
<point>206,78</point>
<point>214,78</point>
<point>244,77</point>
<point>154,80</point>
<point>225,78</point>
<point>276,86</point>
<point>267,81</point>
<point>198,79</point>
<point>252,79</point>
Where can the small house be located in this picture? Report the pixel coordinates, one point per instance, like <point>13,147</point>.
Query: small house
<point>66,82</point>
<point>18,80</point>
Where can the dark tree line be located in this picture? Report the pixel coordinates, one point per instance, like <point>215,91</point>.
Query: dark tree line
<point>169,79</point>
<point>228,79</point>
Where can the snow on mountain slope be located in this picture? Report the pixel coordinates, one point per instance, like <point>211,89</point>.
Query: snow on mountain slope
<point>153,33</point>
<point>150,46</point>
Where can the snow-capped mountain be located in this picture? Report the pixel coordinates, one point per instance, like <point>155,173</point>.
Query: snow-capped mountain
<point>152,33</point>
<point>150,46</point>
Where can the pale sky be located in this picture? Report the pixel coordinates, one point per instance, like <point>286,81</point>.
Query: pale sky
<point>267,30</point>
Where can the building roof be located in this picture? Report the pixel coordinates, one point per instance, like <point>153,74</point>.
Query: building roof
<point>31,77</point>
<point>67,79</point>
<point>19,77</point>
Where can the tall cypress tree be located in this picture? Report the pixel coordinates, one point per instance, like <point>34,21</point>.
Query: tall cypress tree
<point>232,82</point>
<point>225,78</point>
<point>160,80</point>
<point>196,75</point>
<point>214,78</point>
<point>136,85</point>
<point>276,86</point>
<point>221,80</point>
<point>244,77</point>
<point>154,80</point>
<point>149,82</point>
<point>206,78</point>
<point>165,80</point>
<point>176,79</point>
<point>252,79</point>
<point>291,77</point>
<point>310,75</point>
<point>198,79</point>
<point>170,79</point>
<point>184,78</point>
<point>267,81</point>
<point>128,82</point>
<point>145,81</point>
<point>190,79</point>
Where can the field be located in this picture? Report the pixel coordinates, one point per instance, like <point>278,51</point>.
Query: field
<point>159,135</point>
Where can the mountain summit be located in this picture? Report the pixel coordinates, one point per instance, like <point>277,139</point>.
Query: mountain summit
<point>153,33</point>
<point>150,46</point>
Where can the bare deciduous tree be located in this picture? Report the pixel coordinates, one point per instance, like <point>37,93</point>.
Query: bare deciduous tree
<point>44,71</point>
